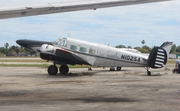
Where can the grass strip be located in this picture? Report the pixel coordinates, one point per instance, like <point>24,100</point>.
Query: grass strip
<point>40,65</point>
<point>22,61</point>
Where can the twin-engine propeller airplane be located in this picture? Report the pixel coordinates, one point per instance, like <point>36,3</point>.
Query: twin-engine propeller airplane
<point>72,51</point>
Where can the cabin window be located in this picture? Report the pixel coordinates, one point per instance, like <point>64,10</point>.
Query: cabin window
<point>82,49</point>
<point>92,51</point>
<point>73,47</point>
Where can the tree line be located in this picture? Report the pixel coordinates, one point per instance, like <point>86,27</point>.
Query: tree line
<point>143,49</point>
<point>146,49</point>
<point>20,51</point>
<point>13,50</point>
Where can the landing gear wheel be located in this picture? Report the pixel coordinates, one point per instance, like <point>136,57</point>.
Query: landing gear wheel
<point>112,68</point>
<point>52,70</point>
<point>89,68</point>
<point>148,73</point>
<point>64,69</point>
<point>118,68</point>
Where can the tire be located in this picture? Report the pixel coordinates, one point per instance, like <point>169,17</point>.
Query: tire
<point>52,70</point>
<point>148,73</point>
<point>64,69</point>
<point>112,68</point>
<point>118,68</point>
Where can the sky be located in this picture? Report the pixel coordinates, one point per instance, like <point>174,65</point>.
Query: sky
<point>126,25</point>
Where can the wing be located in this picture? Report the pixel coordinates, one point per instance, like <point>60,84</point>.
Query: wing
<point>69,57</point>
<point>67,7</point>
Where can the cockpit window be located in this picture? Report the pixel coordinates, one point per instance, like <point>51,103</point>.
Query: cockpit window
<point>60,42</point>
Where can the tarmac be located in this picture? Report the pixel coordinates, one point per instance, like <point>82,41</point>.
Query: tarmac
<point>32,89</point>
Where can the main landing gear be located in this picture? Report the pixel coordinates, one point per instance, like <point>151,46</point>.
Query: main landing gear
<point>53,70</point>
<point>113,68</point>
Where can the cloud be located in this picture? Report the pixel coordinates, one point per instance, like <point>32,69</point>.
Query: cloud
<point>127,25</point>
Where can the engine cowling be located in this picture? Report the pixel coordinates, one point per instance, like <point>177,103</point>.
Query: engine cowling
<point>50,52</point>
<point>47,52</point>
<point>157,58</point>
<point>47,49</point>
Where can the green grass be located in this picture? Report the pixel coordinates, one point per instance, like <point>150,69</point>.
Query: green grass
<point>40,65</point>
<point>22,60</point>
<point>22,63</point>
<point>171,61</point>
<point>167,69</point>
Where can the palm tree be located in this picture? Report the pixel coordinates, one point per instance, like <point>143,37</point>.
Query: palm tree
<point>143,42</point>
<point>6,45</point>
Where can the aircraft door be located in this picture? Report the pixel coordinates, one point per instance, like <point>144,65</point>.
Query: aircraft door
<point>91,57</point>
<point>101,56</point>
<point>111,57</point>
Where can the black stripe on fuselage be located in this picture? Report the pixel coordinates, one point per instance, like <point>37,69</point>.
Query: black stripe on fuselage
<point>104,57</point>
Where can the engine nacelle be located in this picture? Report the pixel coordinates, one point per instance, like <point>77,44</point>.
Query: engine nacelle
<point>47,49</point>
<point>47,52</point>
<point>50,52</point>
<point>157,58</point>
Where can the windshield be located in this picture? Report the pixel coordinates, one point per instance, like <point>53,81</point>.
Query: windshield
<point>60,42</point>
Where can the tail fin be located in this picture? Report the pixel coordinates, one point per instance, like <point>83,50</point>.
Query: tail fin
<point>167,46</point>
<point>159,55</point>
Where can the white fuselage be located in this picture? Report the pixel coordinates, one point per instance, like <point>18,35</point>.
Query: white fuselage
<point>99,55</point>
<point>107,55</point>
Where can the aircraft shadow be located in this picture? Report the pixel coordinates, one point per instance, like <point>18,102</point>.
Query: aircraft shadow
<point>92,73</point>
<point>104,99</point>
<point>152,75</point>
<point>77,74</point>
<point>86,73</point>
<point>86,100</point>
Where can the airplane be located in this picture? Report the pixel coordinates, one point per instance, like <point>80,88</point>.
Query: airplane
<point>72,51</point>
